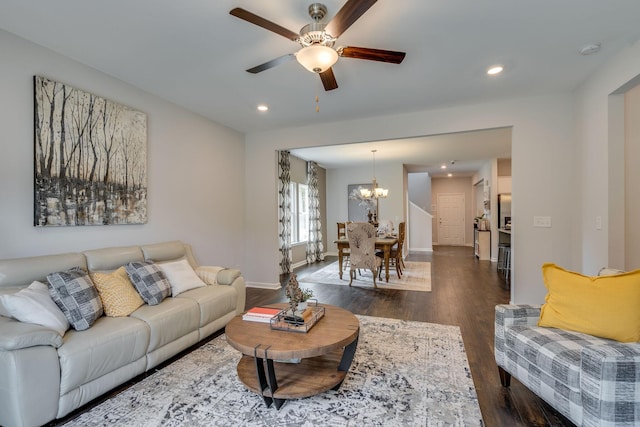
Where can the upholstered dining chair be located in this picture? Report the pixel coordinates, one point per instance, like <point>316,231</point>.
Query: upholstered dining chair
<point>395,257</point>
<point>362,246</point>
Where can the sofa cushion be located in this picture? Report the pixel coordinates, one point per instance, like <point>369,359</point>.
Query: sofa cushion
<point>603,306</point>
<point>214,301</point>
<point>74,292</point>
<point>149,281</point>
<point>181,276</point>
<point>118,296</point>
<point>33,304</point>
<point>553,351</point>
<point>111,343</point>
<point>173,318</point>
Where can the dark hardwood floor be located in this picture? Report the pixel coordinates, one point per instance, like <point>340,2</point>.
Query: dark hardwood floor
<point>464,293</point>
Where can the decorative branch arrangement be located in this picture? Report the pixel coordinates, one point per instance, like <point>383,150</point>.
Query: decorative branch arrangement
<point>295,294</point>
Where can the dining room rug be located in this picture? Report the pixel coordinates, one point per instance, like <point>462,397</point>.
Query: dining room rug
<point>404,373</point>
<point>415,277</point>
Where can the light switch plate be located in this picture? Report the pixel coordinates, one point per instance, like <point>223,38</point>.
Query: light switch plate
<point>542,221</point>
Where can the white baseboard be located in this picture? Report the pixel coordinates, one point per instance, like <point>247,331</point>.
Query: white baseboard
<point>262,285</point>
<point>298,264</point>
<point>420,249</point>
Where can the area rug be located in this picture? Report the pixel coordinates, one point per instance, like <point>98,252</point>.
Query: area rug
<point>404,374</point>
<point>415,277</point>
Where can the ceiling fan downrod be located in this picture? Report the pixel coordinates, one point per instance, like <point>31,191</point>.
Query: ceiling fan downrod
<point>317,11</point>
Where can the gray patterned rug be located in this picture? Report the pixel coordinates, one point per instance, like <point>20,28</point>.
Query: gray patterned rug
<point>415,277</point>
<point>404,374</point>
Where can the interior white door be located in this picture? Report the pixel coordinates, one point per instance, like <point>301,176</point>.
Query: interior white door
<point>451,218</point>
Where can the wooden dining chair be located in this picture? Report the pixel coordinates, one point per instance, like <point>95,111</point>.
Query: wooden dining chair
<point>342,234</point>
<point>362,247</point>
<point>396,255</point>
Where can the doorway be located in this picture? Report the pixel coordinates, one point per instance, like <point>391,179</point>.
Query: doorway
<point>451,219</point>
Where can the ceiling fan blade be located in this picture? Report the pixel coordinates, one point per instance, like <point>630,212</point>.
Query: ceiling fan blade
<point>350,12</point>
<point>270,64</point>
<point>328,80</point>
<point>372,54</point>
<point>264,23</point>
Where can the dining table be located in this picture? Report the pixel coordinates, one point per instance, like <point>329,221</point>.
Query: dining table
<point>384,243</point>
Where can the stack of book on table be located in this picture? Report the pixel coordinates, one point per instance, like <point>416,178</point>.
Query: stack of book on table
<point>300,316</point>
<point>261,314</point>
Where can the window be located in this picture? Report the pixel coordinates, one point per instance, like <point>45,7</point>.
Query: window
<point>299,212</point>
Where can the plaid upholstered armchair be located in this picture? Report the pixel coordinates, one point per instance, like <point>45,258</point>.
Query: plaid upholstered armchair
<point>362,248</point>
<point>592,381</point>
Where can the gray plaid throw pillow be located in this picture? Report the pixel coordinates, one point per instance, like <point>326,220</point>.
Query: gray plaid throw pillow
<point>74,292</point>
<point>149,281</point>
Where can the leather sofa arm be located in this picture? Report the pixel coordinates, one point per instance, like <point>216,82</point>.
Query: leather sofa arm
<point>227,276</point>
<point>16,335</point>
<point>609,380</point>
<point>217,275</point>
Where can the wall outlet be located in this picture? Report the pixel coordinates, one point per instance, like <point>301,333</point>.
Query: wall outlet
<point>598,223</point>
<point>542,221</point>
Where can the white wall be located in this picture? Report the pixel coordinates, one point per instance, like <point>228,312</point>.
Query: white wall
<point>542,141</point>
<point>419,236</point>
<point>195,167</point>
<point>592,104</point>
<point>420,190</point>
<point>632,177</point>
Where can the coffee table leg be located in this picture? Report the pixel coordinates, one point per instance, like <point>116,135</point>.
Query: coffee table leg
<point>347,359</point>
<point>273,383</point>
<point>262,379</point>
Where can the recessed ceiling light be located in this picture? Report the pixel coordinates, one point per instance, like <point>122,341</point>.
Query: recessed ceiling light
<point>495,69</point>
<point>263,107</point>
<point>443,167</point>
<point>449,175</point>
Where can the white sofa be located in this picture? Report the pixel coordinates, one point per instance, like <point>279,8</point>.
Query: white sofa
<point>45,376</point>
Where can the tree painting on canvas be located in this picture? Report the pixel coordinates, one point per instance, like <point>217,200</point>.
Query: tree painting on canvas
<point>90,159</point>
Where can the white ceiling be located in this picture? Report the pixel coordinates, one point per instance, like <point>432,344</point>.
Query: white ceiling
<point>193,53</point>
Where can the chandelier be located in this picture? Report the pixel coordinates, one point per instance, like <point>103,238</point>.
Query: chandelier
<point>374,192</point>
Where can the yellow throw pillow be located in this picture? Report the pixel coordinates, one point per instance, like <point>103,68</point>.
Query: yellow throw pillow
<point>602,306</point>
<point>119,297</point>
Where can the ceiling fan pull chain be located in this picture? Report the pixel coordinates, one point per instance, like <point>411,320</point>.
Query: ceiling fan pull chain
<point>317,104</point>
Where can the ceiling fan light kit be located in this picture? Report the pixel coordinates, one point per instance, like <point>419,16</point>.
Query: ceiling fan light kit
<point>317,58</point>
<point>317,39</point>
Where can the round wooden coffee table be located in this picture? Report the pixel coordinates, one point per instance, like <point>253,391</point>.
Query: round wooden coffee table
<point>325,352</point>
